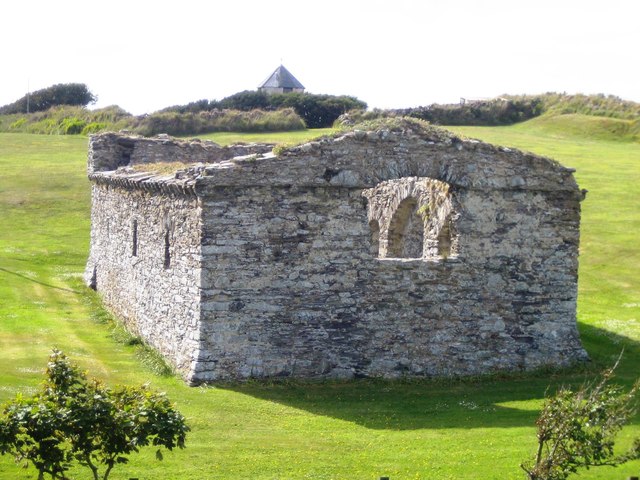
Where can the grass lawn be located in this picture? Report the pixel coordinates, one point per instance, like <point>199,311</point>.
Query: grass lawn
<point>471,429</point>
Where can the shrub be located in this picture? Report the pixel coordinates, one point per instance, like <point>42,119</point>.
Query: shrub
<point>354,117</point>
<point>174,123</point>
<point>73,418</point>
<point>247,100</point>
<point>18,124</point>
<point>501,111</point>
<point>72,126</point>
<point>578,429</point>
<point>60,94</point>
<point>315,110</point>
<point>318,111</point>
<point>94,127</point>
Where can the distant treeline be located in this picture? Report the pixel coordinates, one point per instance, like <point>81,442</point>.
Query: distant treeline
<point>500,111</point>
<point>68,120</point>
<point>317,111</point>
<point>76,94</point>
<point>61,109</point>
<point>509,109</point>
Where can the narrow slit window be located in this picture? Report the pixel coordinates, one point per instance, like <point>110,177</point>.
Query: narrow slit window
<point>167,253</point>
<point>134,238</point>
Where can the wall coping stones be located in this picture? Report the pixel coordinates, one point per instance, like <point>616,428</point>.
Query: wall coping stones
<point>405,148</point>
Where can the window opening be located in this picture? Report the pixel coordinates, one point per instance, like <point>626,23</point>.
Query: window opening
<point>134,239</point>
<point>406,231</point>
<point>167,253</point>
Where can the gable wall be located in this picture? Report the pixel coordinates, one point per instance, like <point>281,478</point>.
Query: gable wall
<point>291,287</point>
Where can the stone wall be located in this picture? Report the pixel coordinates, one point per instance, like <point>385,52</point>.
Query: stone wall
<point>292,287</point>
<point>145,261</point>
<point>109,151</point>
<point>398,251</point>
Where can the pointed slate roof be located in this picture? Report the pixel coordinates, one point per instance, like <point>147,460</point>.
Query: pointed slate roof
<point>281,78</point>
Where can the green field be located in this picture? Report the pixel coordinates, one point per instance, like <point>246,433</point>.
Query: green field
<point>471,429</point>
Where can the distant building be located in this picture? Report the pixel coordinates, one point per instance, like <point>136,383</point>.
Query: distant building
<point>281,81</point>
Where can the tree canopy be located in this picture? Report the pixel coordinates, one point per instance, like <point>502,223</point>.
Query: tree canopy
<point>76,94</point>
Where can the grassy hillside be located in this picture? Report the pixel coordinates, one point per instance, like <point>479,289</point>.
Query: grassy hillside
<point>593,105</point>
<point>577,126</point>
<point>477,428</point>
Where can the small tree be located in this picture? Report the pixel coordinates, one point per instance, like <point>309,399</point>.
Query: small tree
<point>30,430</point>
<point>74,418</point>
<point>578,429</point>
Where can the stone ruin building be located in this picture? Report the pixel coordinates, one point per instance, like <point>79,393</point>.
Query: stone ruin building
<point>401,250</point>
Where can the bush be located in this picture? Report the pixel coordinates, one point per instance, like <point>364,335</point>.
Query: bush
<point>316,111</point>
<point>353,117</point>
<point>67,120</point>
<point>73,418</point>
<point>578,429</point>
<point>18,123</point>
<point>174,123</point>
<point>72,126</point>
<point>60,94</point>
<point>502,111</point>
<point>94,127</point>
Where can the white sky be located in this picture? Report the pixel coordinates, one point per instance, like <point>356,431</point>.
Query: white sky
<point>146,55</point>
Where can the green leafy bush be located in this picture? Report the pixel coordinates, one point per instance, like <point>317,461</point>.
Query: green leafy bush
<point>72,126</point>
<point>18,123</point>
<point>577,429</point>
<point>94,127</point>
<point>75,419</point>
<point>67,120</point>
<point>174,123</point>
<point>317,111</point>
<point>501,111</point>
<point>60,94</point>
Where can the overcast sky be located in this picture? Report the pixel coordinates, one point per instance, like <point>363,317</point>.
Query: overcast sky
<point>146,55</point>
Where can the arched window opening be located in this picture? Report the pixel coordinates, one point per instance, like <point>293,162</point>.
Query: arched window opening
<point>406,231</point>
<point>375,238</point>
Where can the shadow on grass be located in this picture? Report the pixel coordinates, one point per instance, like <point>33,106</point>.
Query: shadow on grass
<point>33,280</point>
<point>486,402</point>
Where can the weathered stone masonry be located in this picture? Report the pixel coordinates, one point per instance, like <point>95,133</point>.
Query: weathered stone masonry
<point>398,251</point>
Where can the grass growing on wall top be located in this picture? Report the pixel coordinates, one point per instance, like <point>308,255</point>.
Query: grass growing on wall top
<point>287,138</point>
<point>473,429</point>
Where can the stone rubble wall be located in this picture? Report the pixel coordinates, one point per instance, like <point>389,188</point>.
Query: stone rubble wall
<point>365,159</point>
<point>281,267</point>
<point>159,303</point>
<point>109,151</point>
<point>291,288</point>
